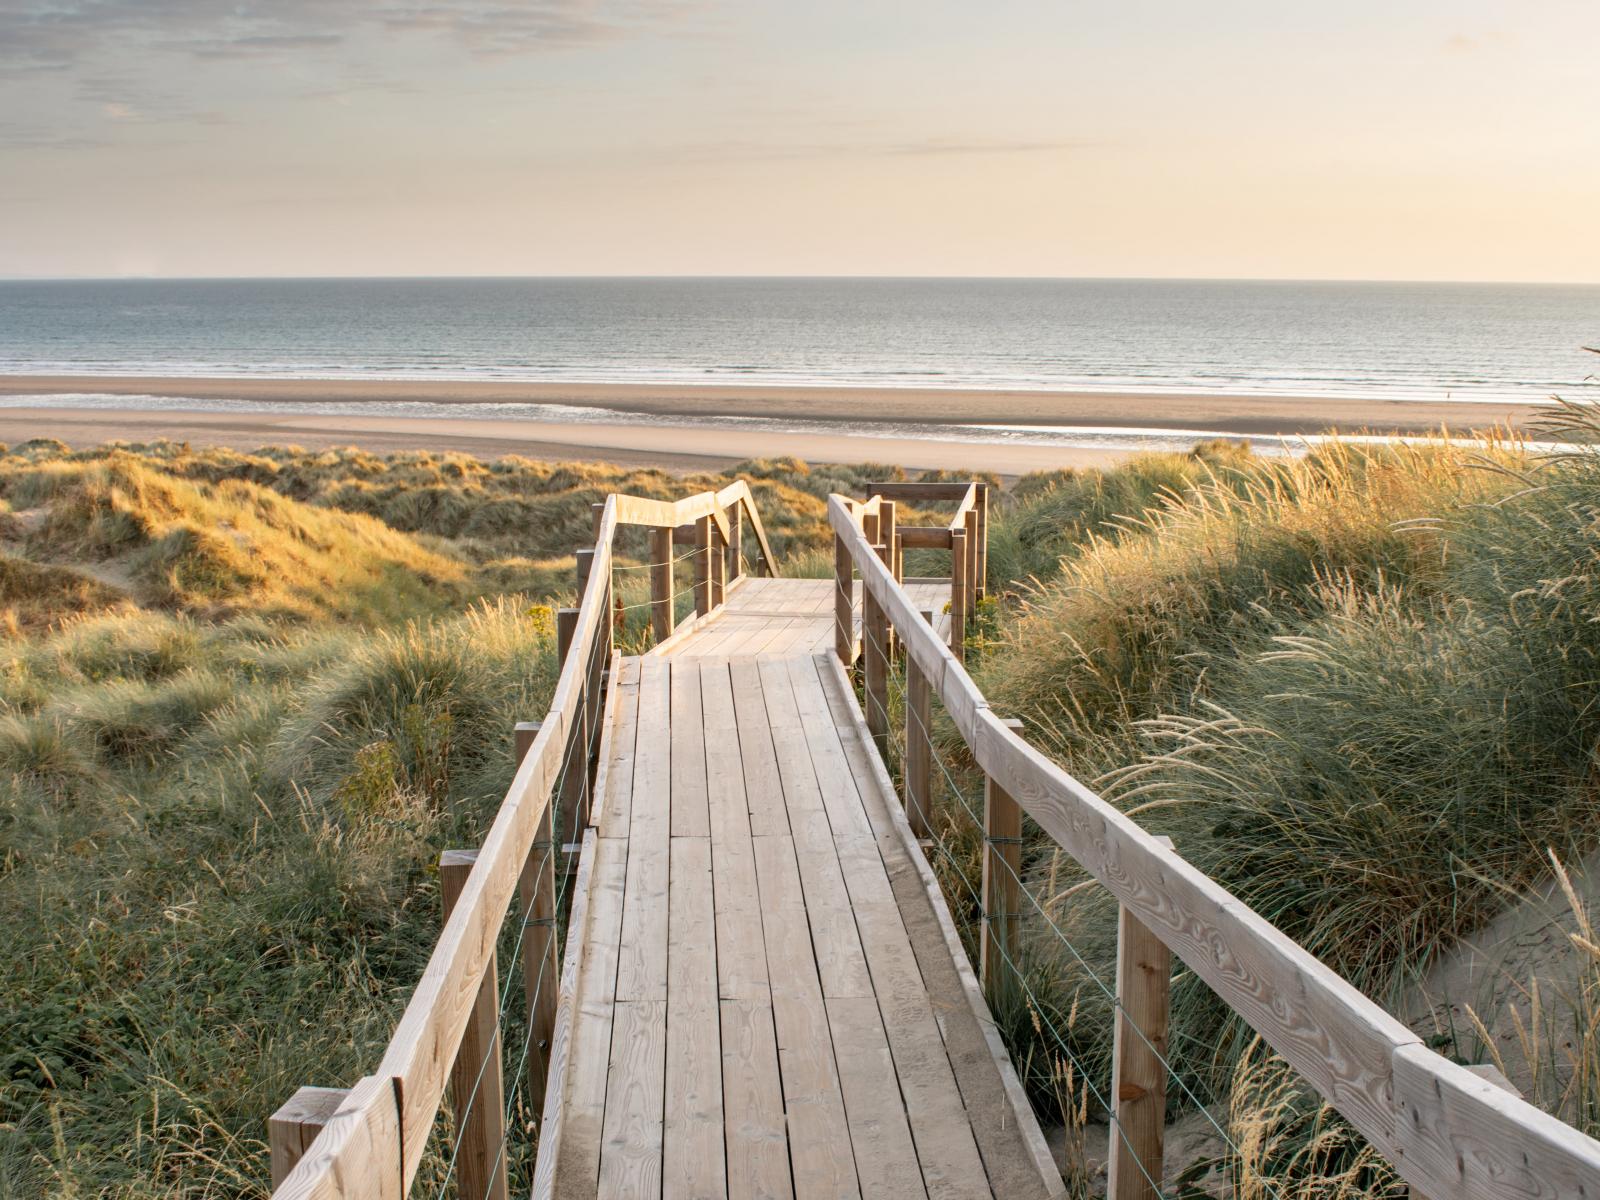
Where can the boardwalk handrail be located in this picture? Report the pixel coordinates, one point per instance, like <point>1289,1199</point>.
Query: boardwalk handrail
<point>1447,1132</point>
<point>373,1144</point>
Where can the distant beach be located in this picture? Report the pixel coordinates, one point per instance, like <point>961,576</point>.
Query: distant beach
<point>686,427</point>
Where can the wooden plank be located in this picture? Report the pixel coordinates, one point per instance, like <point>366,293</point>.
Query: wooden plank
<point>820,1154</point>
<point>615,793</point>
<point>642,966</point>
<point>553,1109</point>
<point>886,1159</point>
<point>690,817</point>
<point>631,1149</point>
<point>919,491</point>
<point>694,1166</point>
<point>1005,1125</point>
<point>741,950</point>
<point>841,964</point>
<point>762,783</point>
<point>296,1124</point>
<point>1458,1136</point>
<point>574,1111</point>
<point>357,1154</point>
<point>951,1164</point>
<point>756,1137</point>
<point>924,537</point>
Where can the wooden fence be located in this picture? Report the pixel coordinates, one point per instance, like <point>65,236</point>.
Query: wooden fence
<point>1448,1131</point>
<point>369,1145</point>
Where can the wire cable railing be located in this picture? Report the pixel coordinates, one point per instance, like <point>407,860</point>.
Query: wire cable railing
<point>1444,1130</point>
<point>970,895</point>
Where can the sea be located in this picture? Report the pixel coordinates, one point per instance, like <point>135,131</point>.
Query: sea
<point>1494,343</point>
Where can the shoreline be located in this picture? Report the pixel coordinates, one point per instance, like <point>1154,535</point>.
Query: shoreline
<point>1236,415</point>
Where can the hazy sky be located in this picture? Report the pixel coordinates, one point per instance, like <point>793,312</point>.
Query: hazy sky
<point>1390,139</point>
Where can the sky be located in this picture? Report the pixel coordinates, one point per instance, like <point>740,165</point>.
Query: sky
<point>1363,139</point>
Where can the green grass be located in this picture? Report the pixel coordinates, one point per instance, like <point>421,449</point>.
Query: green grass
<point>1358,688</point>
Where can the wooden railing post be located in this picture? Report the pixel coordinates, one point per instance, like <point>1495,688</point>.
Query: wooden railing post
<point>875,663</point>
<point>1000,937</point>
<point>982,555</point>
<point>717,565</point>
<point>973,554</point>
<point>661,615</point>
<point>598,512</point>
<point>292,1129</point>
<point>958,594</point>
<point>735,568</point>
<point>1139,1060</point>
<point>702,565</point>
<point>887,539</point>
<point>844,590</point>
<point>477,1088</point>
<point>537,888</point>
<point>585,566</point>
<point>575,758</point>
<point>917,768</point>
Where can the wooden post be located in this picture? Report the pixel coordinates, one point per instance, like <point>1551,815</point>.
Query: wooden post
<point>844,590</point>
<point>598,511</point>
<point>736,541</point>
<point>292,1129</point>
<point>574,771</point>
<point>1138,1060</point>
<point>958,594</point>
<point>702,566</point>
<point>972,565</point>
<point>918,766</point>
<point>982,555</point>
<point>537,889</point>
<point>886,544</point>
<point>999,939</point>
<point>661,615</point>
<point>717,564</point>
<point>476,1085</point>
<point>875,664</point>
<point>585,566</point>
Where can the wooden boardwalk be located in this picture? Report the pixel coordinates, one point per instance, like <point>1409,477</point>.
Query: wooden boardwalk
<point>770,1001</point>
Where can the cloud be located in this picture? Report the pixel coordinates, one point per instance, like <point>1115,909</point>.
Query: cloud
<point>54,34</point>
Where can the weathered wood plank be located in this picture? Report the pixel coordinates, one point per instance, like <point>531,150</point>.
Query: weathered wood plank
<point>1001,1129</point>
<point>631,1149</point>
<point>575,1106</point>
<point>819,1135</point>
<point>763,786</point>
<point>614,793</point>
<point>1471,1140</point>
<point>296,1124</point>
<point>642,966</point>
<point>949,1155</point>
<point>841,964</point>
<point>886,1159</point>
<point>694,1165</point>
<point>757,1141</point>
<point>690,816</point>
<point>357,1154</point>
<point>741,950</point>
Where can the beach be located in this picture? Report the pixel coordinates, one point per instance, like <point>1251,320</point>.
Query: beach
<point>697,442</point>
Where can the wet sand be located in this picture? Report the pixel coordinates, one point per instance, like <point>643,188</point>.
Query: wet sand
<point>1238,415</point>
